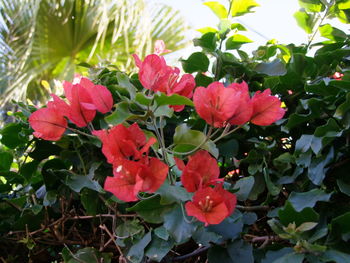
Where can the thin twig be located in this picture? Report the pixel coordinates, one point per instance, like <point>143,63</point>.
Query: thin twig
<point>253,208</point>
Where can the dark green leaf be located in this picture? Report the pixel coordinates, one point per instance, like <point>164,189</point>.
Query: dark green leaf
<point>198,61</point>
<point>343,187</point>
<point>183,136</point>
<point>335,256</point>
<point>162,233</point>
<point>172,193</point>
<point>204,237</point>
<point>289,215</point>
<point>136,252</point>
<point>206,41</point>
<point>178,227</point>
<point>124,82</point>
<point>230,228</point>
<point>271,255</point>
<point>290,258</point>
<point>12,135</point>
<point>90,201</point>
<point>6,159</point>
<point>129,228</point>
<point>120,114</point>
<point>151,210</point>
<point>308,199</point>
<point>158,248</point>
<point>245,186</point>
<point>240,251</point>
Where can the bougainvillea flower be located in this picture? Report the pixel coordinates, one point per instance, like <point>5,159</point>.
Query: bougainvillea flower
<point>159,47</point>
<point>102,99</point>
<point>122,142</point>
<point>208,206</point>
<point>229,199</point>
<point>48,124</point>
<point>79,110</point>
<point>337,76</point>
<point>200,171</point>
<point>132,177</point>
<point>266,108</point>
<point>216,104</point>
<point>153,73</point>
<point>244,110</point>
<point>156,75</point>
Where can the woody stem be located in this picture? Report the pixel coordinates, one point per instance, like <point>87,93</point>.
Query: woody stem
<point>225,133</point>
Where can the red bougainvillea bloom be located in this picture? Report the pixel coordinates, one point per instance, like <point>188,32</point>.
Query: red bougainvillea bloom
<point>200,171</point>
<point>122,142</point>
<point>245,107</point>
<point>230,199</point>
<point>266,108</point>
<point>79,110</point>
<point>216,104</point>
<point>131,177</point>
<point>153,73</point>
<point>48,124</point>
<point>337,76</point>
<point>156,75</point>
<point>102,99</point>
<point>159,47</point>
<point>208,206</point>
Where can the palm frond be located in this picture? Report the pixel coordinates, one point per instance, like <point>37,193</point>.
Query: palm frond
<point>45,39</point>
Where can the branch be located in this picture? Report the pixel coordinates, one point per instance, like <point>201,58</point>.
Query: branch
<point>194,253</point>
<point>253,208</point>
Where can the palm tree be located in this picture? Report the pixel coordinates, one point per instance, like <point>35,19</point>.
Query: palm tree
<point>46,39</point>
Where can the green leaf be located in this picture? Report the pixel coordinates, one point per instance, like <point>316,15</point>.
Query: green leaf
<point>6,159</point>
<point>231,227</point>
<point>238,27</point>
<point>335,256</point>
<point>129,228</point>
<point>206,41</point>
<point>273,189</point>
<point>343,187</point>
<point>312,5</point>
<point>245,186</point>
<point>274,68</point>
<point>204,237</point>
<point>158,248</point>
<point>151,210</point>
<point>44,149</point>
<point>219,10</point>
<point>143,99</point>
<point>179,229</point>
<point>343,108</point>
<point>172,193</point>
<point>124,82</point>
<point>290,258</point>
<point>272,255</point>
<point>308,199</point>
<point>305,21</point>
<point>186,139</point>
<point>241,7</point>
<point>288,215</point>
<point>341,224</point>
<point>236,41</point>
<point>317,169</point>
<point>12,135</point>
<point>164,110</point>
<point>332,33</point>
<point>78,182</point>
<point>240,251</point>
<point>161,232</point>
<point>306,226</point>
<point>50,198</point>
<point>228,148</point>
<point>136,252</point>
<point>218,254</point>
<point>87,254</point>
<point>90,201</point>
<point>198,61</point>
<point>175,99</point>
<point>120,114</point>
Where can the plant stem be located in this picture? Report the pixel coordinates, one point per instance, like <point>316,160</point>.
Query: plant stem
<point>225,133</point>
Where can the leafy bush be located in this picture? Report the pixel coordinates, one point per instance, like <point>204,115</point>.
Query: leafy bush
<point>171,202</point>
